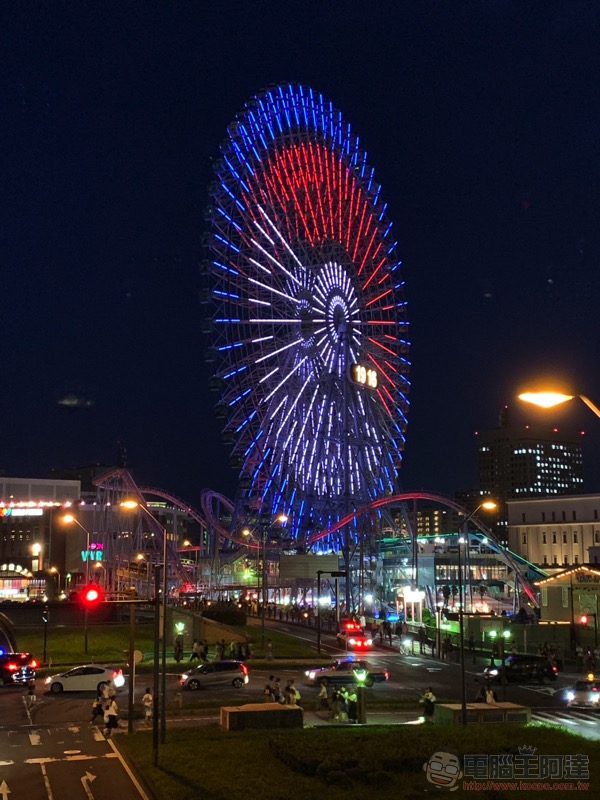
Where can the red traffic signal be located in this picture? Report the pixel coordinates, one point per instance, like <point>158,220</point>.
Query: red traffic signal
<point>91,595</point>
<point>583,619</point>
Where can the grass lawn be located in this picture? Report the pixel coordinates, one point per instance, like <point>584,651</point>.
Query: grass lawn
<point>109,644</point>
<point>335,763</point>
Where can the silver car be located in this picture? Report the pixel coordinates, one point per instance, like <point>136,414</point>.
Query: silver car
<point>217,673</point>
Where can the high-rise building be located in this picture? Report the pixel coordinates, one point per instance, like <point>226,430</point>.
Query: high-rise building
<point>520,461</point>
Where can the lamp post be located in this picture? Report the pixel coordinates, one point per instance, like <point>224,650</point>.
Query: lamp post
<point>488,505</point>
<point>334,574</point>
<point>68,519</point>
<point>282,518</point>
<point>129,505</point>
<point>55,571</point>
<point>549,399</point>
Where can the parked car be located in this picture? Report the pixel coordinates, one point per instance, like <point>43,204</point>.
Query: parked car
<point>584,692</point>
<point>519,667</point>
<point>16,668</point>
<point>216,673</point>
<point>86,678</point>
<point>352,637</point>
<point>342,672</point>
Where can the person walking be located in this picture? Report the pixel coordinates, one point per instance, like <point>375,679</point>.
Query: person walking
<point>428,699</point>
<point>148,703</point>
<point>97,708</point>
<point>352,706</point>
<point>111,718</point>
<point>323,698</point>
<point>195,654</point>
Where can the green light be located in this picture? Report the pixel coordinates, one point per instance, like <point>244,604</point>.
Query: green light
<point>180,627</point>
<point>361,676</point>
<point>493,634</point>
<point>506,634</point>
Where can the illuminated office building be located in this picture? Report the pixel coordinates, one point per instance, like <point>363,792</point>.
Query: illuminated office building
<point>517,462</point>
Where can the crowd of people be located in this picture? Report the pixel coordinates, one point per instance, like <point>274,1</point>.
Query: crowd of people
<point>289,695</point>
<point>341,705</point>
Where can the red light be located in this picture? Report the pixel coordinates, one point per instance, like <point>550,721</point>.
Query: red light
<point>12,666</point>
<point>387,675</point>
<point>554,669</point>
<point>583,619</point>
<point>244,669</point>
<point>33,664</point>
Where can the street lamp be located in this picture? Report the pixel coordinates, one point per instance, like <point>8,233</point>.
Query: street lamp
<point>488,505</point>
<point>129,505</point>
<point>549,399</point>
<point>68,519</point>
<point>54,571</point>
<point>282,518</point>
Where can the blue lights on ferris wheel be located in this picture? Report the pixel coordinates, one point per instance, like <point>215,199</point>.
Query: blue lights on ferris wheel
<point>304,285</point>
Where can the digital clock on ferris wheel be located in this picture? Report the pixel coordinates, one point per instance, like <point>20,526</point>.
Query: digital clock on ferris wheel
<point>364,376</point>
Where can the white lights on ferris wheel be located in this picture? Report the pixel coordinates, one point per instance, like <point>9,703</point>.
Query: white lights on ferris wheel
<point>308,318</point>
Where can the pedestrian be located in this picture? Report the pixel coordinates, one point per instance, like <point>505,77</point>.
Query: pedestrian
<point>480,696</point>
<point>205,651</point>
<point>111,717</point>
<point>232,648</point>
<point>428,699</point>
<point>108,692</point>
<point>322,697</point>
<point>352,706</point>
<point>275,689</point>
<point>31,697</point>
<point>148,703</point>
<point>490,695</point>
<point>178,648</point>
<point>97,708</point>
<point>294,694</point>
<point>195,653</point>
<point>335,704</point>
<point>343,704</point>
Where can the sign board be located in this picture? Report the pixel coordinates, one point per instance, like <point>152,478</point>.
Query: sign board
<point>306,566</point>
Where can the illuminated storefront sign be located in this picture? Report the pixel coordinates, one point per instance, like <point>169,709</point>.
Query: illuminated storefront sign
<point>21,512</point>
<point>94,553</point>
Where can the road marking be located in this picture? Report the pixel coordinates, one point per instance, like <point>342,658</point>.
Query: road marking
<point>98,735</point>
<point>125,766</point>
<point>4,790</point>
<point>46,781</point>
<point>6,763</point>
<point>35,738</point>
<point>541,689</point>
<point>86,779</point>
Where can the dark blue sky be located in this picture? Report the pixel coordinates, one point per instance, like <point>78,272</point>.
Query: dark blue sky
<point>481,120</point>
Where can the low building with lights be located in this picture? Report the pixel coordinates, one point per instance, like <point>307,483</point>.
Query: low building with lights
<point>30,545</point>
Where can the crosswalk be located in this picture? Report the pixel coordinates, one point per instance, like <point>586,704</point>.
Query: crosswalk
<point>588,721</point>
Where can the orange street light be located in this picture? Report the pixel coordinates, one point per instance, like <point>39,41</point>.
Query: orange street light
<point>549,399</point>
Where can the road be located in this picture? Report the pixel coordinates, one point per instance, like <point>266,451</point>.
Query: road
<point>51,751</point>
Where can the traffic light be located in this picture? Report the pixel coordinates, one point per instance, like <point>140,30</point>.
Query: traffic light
<point>92,595</point>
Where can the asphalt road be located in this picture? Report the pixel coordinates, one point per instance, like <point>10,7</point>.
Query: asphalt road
<point>50,750</point>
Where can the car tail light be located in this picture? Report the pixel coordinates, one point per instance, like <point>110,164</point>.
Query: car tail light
<point>33,664</point>
<point>387,675</point>
<point>244,669</point>
<point>351,641</point>
<point>594,688</point>
<point>554,669</point>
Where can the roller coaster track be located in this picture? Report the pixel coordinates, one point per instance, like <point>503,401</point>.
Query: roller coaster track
<point>404,497</point>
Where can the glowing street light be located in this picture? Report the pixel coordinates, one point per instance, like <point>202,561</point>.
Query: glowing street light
<point>69,519</point>
<point>487,505</point>
<point>549,399</point>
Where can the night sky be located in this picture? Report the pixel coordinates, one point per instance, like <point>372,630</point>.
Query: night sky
<point>480,118</point>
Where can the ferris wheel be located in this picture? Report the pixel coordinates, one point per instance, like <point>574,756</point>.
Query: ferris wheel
<point>308,318</point>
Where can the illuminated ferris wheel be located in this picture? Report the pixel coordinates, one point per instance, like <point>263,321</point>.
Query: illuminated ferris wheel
<point>309,330</point>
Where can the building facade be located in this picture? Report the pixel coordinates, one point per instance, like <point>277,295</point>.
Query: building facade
<point>555,532</point>
<point>523,461</point>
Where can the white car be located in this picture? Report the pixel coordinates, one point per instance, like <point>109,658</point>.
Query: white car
<point>87,678</point>
<point>584,693</point>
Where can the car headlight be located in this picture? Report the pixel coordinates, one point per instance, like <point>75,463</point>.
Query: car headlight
<point>119,681</point>
<point>369,641</point>
<point>311,674</point>
<point>48,680</point>
<point>595,698</point>
<point>493,672</point>
<point>570,696</point>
